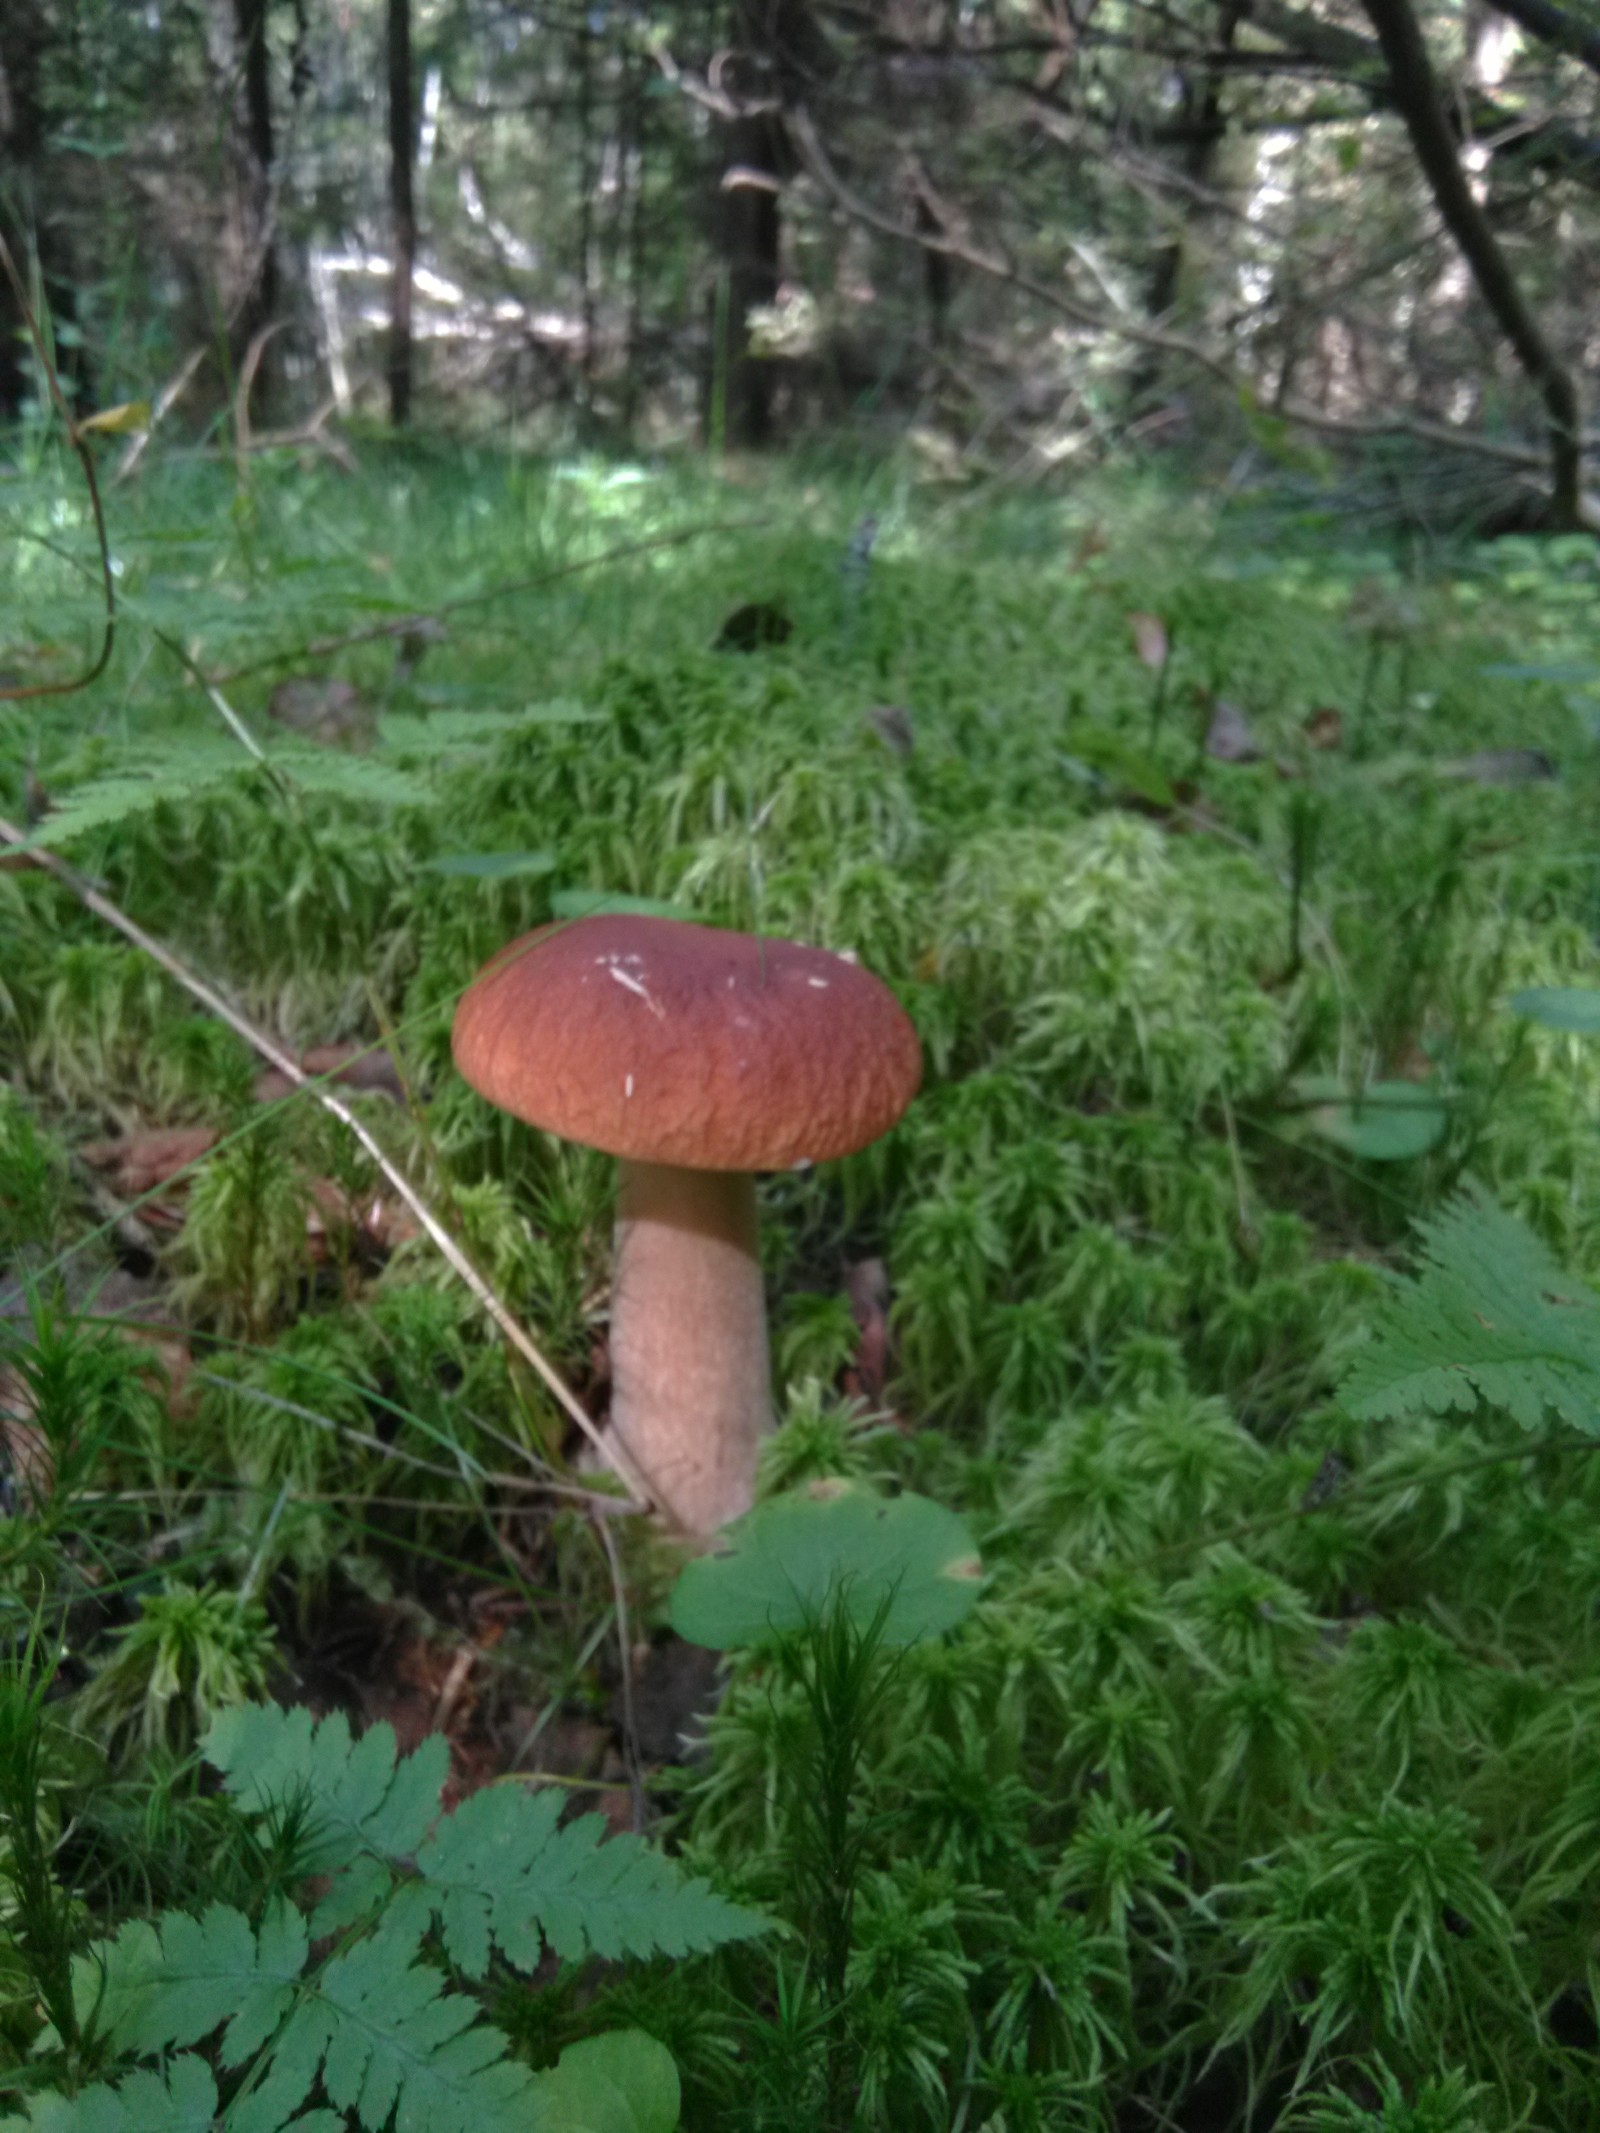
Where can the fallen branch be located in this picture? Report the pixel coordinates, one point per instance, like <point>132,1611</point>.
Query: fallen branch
<point>274,1053</point>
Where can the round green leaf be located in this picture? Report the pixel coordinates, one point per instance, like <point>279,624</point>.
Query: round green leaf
<point>491,866</point>
<point>785,1563</point>
<point>1394,1122</point>
<point>624,2082</point>
<point>1574,1009</point>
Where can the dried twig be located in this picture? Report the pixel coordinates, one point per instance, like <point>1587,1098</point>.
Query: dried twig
<point>165,401</point>
<point>275,1055</point>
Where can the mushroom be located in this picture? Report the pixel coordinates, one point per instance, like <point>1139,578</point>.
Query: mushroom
<point>698,1058</point>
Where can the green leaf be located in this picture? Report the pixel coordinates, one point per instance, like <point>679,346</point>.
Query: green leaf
<point>170,1983</point>
<point>586,903</point>
<point>785,1563</point>
<point>187,769</point>
<point>504,1869</point>
<point>397,2036</point>
<point>559,711</point>
<point>1491,1316</point>
<point>444,731</point>
<point>145,780</point>
<point>621,2083</point>
<point>124,420</point>
<point>1573,1009</point>
<point>1390,1122</point>
<point>1114,757</point>
<point>360,1804</point>
<point>1568,670</point>
<point>350,777</point>
<point>183,2099</point>
<point>491,866</point>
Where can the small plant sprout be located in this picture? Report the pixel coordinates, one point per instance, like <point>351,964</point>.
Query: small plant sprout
<point>697,1058</point>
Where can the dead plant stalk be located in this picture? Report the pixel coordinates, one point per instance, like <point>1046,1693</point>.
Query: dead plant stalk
<point>509,1327</point>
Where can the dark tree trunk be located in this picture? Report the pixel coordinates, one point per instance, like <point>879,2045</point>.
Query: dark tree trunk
<point>587,172</point>
<point>1204,114</point>
<point>635,165</point>
<point>1417,99</point>
<point>403,211</point>
<point>1555,25</point>
<point>258,296</point>
<point>784,60</point>
<point>24,57</point>
<point>752,232</point>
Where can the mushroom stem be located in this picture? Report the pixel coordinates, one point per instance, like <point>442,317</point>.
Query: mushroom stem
<point>691,1383</point>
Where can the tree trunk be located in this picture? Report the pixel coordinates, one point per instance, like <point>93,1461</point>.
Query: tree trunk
<point>1203,111</point>
<point>256,299</point>
<point>25,50</point>
<point>785,60</point>
<point>1417,99</point>
<point>403,211</point>
<point>588,265</point>
<point>635,167</point>
<point>752,232</point>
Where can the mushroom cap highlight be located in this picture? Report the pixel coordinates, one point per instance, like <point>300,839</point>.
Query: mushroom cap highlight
<point>666,1042</point>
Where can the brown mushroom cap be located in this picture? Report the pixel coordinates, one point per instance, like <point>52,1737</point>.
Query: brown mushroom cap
<point>671,1043</point>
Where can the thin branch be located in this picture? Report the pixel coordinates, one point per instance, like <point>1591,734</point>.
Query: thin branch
<point>1416,97</point>
<point>85,458</point>
<point>167,399</point>
<point>1557,26</point>
<point>269,1049</point>
<point>997,267</point>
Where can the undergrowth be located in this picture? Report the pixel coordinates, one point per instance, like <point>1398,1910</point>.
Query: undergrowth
<point>1255,1792</point>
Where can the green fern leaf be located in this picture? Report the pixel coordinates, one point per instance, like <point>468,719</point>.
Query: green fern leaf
<point>390,2038</point>
<point>183,2099</point>
<point>503,1869</point>
<point>1490,1317</point>
<point>156,1987</point>
<point>139,783</point>
<point>360,1804</point>
<point>350,777</point>
<point>500,1869</point>
<point>188,769</point>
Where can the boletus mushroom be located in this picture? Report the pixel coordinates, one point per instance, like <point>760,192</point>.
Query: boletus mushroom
<point>697,1058</point>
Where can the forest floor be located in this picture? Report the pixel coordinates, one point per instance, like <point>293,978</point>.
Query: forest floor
<point>1236,866</point>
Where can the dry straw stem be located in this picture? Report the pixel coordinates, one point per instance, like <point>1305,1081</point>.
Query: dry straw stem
<point>270,1050</point>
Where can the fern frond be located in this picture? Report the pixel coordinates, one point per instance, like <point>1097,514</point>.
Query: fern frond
<point>350,777</point>
<point>381,2027</point>
<point>1490,1317</point>
<point>503,1869</point>
<point>358,1801</point>
<point>139,783</point>
<point>389,2037</point>
<point>186,770</point>
<point>183,2099</point>
<point>156,1987</point>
